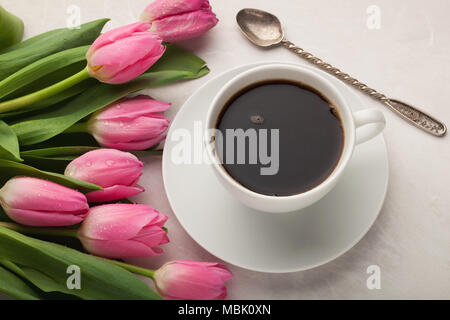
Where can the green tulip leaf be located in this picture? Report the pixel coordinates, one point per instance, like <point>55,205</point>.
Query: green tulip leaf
<point>46,284</point>
<point>11,29</point>
<point>55,159</point>
<point>10,169</point>
<point>179,59</point>
<point>68,153</point>
<point>22,54</point>
<point>49,79</point>
<point>28,290</point>
<point>9,145</point>
<point>176,64</point>
<point>60,97</point>
<point>41,68</point>
<point>15,287</point>
<point>46,265</point>
<point>65,140</point>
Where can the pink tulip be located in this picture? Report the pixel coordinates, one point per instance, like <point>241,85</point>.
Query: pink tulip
<point>191,280</point>
<point>115,171</point>
<point>177,20</point>
<point>123,231</point>
<point>41,203</point>
<point>130,124</point>
<point>124,53</point>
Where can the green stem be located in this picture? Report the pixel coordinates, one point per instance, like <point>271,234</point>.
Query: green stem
<point>34,97</point>
<point>60,232</point>
<point>78,128</point>
<point>134,269</point>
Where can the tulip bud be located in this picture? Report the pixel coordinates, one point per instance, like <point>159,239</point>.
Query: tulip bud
<point>123,231</point>
<point>191,280</point>
<point>124,53</point>
<point>177,20</point>
<point>115,171</point>
<point>42,203</point>
<point>130,124</point>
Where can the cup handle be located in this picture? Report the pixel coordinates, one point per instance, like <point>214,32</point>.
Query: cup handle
<point>372,117</point>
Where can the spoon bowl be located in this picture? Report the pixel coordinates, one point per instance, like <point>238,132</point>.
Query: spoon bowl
<point>260,27</point>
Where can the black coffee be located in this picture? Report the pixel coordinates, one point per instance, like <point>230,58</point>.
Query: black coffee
<point>310,137</point>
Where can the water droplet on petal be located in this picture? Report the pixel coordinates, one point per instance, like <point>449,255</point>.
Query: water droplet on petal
<point>110,163</point>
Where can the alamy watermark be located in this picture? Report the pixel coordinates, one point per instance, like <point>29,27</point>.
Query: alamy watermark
<point>74,279</point>
<point>234,146</point>
<point>374,17</point>
<point>374,280</point>
<point>74,19</point>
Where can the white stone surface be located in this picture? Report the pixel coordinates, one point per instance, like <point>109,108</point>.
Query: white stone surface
<point>407,58</point>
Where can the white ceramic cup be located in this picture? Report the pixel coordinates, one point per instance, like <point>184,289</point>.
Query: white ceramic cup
<point>373,118</point>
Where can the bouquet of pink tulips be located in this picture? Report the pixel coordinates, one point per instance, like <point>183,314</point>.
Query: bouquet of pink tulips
<point>66,124</point>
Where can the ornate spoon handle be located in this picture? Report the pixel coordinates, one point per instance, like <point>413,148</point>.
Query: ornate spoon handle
<point>411,114</point>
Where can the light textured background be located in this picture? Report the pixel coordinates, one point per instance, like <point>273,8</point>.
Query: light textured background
<point>408,58</point>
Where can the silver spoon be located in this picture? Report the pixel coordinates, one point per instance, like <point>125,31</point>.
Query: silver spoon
<point>264,30</point>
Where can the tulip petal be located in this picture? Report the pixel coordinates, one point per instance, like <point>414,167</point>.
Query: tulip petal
<point>152,236</point>
<point>190,282</point>
<point>135,145</point>
<point>125,59</point>
<point>123,231</point>
<point>129,130</point>
<point>127,108</point>
<point>117,34</point>
<point>119,221</point>
<point>159,221</point>
<point>117,249</point>
<point>106,168</point>
<point>139,67</point>
<point>130,123</point>
<point>163,8</point>
<point>184,26</point>
<point>114,193</point>
<point>218,268</point>
<point>42,195</point>
<point>44,219</point>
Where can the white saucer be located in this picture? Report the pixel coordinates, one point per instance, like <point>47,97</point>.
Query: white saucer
<point>268,242</point>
